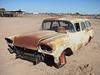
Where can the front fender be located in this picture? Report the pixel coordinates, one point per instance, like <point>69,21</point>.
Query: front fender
<point>58,44</point>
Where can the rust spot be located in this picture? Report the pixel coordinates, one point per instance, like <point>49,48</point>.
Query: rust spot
<point>74,47</point>
<point>86,30</point>
<point>91,28</point>
<point>61,43</point>
<point>79,46</point>
<point>61,29</point>
<point>75,19</point>
<point>92,36</point>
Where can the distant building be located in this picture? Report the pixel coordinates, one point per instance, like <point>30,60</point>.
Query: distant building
<point>10,13</point>
<point>36,13</point>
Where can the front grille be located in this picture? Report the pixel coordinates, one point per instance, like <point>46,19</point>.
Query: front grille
<point>25,50</point>
<point>28,54</point>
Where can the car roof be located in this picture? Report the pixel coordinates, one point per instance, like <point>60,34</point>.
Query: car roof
<point>72,20</point>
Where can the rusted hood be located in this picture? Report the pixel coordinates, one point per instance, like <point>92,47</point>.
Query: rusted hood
<point>31,40</point>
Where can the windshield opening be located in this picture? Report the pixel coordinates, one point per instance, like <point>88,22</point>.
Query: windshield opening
<point>53,25</point>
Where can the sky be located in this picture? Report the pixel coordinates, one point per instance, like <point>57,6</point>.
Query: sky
<point>53,6</point>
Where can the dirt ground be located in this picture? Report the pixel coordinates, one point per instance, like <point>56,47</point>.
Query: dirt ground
<point>86,61</point>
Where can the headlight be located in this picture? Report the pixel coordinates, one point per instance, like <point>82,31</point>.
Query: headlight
<point>46,48</point>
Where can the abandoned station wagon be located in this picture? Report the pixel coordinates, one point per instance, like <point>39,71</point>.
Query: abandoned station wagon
<point>56,38</point>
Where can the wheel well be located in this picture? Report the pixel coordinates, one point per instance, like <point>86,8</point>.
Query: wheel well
<point>90,38</point>
<point>68,52</point>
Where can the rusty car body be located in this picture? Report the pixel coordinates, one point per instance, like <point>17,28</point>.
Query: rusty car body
<point>56,38</point>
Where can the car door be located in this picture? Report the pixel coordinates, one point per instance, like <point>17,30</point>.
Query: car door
<point>91,29</point>
<point>85,33</point>
<point>76,37</point>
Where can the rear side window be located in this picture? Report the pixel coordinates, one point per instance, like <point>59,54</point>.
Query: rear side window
<point>77,26</point>
<point>67,25</point>
<point>83,26</point>
<point>88,25</point>
<point>64,24</point>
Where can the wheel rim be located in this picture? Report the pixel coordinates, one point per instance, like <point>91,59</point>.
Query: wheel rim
<point>62,58</point>
<point>88,41</point>
<point>62,61</point>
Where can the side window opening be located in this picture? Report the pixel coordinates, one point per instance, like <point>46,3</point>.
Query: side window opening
<point>88,25</point>
<point>83,26</point>
<point>77,26</point>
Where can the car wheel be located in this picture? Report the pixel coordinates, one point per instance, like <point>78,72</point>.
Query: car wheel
<point>62,61</point>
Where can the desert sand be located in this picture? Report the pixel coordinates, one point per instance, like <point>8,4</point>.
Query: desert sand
<point>86,61</point>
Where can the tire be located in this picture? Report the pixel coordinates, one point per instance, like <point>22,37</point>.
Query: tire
<point>62,61</point>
